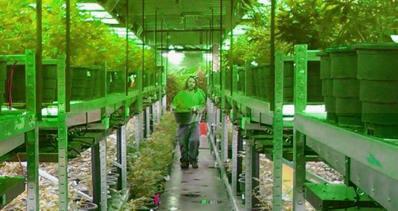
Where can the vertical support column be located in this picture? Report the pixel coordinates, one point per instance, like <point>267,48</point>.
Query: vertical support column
<point>31,137</point>
<point>122,157</point>
<point>255,173</point>
<point>248,173</point>
<point>147,122</point>
<point>300,100</point>
<point>137,131</point>
<point>235,79</point>
<point>164,104</point>
<point>278,133</point>
<point>224,152</point>
<point>240,159</point>
<point>95,173</point>
<point>299,171</point>
<point>234,179</point>
<point>62,137</point>
<point>32,149</point>
<point>141,125</point>
<point>217,129</point>
<point>159,110</point>
<point>103,174</point>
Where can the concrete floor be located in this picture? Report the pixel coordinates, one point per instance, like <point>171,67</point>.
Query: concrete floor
<point>195,189</point>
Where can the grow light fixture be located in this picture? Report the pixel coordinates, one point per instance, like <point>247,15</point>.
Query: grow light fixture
<point>110,21</point>
<point>101,15</point>
<point>394,38</point>
<point>90,7</point>
<point>265,2</point>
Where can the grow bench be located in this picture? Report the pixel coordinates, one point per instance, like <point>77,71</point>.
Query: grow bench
<point>19,127</point>
<point>366,161</point>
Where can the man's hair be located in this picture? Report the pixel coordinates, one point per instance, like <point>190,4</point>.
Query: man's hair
<point>196,82</point>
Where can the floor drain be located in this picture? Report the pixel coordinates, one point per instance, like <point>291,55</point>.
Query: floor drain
<point>191,195</point>
<point>210,202</point>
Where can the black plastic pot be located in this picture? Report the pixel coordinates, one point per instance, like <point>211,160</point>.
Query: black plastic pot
<point>346,87</point>
<point>379,81</point>
<point>79,83</point>
<point>183,117</point>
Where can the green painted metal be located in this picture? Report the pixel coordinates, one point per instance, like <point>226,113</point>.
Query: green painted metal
<point>62,136</point>
<point>338,197</point>
<point>300,78</point>
<point>16,124</point>
<point>32,137</point>
<point>278,133</point>
<point>10,188</point>
<point>370,168</point>
<point>300,102</point>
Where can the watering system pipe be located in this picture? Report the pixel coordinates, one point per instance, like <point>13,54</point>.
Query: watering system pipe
<point>225,179</point>
<point>54,180</point>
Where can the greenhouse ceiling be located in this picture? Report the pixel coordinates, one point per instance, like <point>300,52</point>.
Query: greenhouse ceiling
<point>185,23</point>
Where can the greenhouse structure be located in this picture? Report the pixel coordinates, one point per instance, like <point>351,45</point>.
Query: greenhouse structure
<point>298,107</point>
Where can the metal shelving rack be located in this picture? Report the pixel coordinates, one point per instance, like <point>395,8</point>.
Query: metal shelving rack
<point>100,117</point>
<point>249,114</point>
<point>366,162</point>
<point>18,128</point>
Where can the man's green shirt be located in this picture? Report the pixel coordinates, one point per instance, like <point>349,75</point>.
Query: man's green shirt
<point>185,101</point>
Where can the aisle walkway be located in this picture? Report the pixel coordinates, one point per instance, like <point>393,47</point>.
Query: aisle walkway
<point>195,189</point>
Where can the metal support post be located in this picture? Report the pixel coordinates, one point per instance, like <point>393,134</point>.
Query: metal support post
<point>32,149</point>
<point>159,111</point>
<point>137,131</point>
<point>234,179</point>
<point>96,171</point>
<point>103,172</point>
<point>240,158</point>
<point>224,152</point>
<point>147,122</point>
<point>299,171</point>
<point>141,125</point>
<point>151,118</point>
<point>62,137</point>
<point>122,157</point>
<point>278,133</point>
<point>217,130</point>
<point>32,137</point>
<point>164,104</point>
<point>300,99</point>
<point>255,174</point>
<point>248,173</point>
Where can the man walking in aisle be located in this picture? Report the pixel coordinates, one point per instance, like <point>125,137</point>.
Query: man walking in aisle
<point>191,99</point>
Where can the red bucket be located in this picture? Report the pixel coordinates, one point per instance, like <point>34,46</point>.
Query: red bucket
<point>203,128</point>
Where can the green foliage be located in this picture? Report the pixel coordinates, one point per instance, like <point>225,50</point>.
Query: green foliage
<point>318,23</point>
<point>336,22</point>
<point>92,42</point>
<point>150,165</point>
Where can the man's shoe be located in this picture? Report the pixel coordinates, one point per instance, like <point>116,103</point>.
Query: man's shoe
<point>184,165</point>
<point>194,165</point>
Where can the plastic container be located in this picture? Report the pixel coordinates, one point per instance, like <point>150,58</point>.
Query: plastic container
<point>183,117</point>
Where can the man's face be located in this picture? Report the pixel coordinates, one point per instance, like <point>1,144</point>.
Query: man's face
<point>191,84</point>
